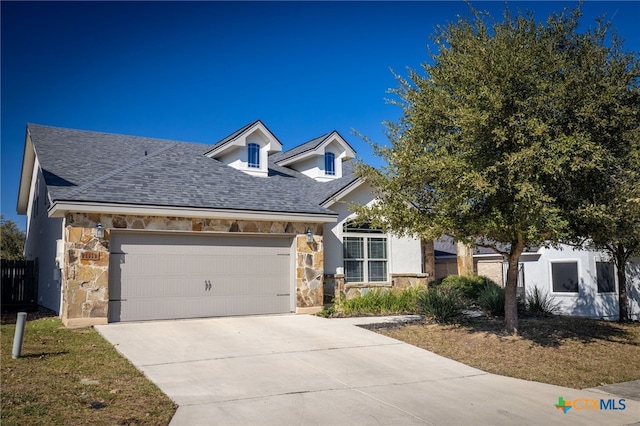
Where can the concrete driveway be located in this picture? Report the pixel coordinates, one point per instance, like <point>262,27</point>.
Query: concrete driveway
<point>299,369</point>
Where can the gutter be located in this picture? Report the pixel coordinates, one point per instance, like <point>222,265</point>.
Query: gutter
<point>61,208</point>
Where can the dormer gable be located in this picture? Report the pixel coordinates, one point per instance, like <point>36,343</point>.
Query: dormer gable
<point>247,149</point>
<point>320,158</point>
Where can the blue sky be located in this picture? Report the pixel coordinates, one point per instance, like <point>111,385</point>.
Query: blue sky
<point>199,71</point>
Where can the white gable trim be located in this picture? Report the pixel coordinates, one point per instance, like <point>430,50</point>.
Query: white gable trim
<point>347,153</point>
<point>342,193</point>
<point>240,139</point>
<point>26,175</point>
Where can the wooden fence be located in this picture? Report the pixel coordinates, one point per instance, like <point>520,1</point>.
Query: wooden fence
<point>19,283</point>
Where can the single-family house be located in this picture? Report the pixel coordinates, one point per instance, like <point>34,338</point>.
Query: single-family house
<point>129,228</point>
<point>581,282</point>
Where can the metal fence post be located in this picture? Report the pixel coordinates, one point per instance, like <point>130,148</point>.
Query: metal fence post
<point>17,337</point>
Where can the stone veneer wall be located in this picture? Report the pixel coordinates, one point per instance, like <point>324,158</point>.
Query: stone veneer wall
<point>428,258</point>
<point>86,281</point>
<point>336,287</point>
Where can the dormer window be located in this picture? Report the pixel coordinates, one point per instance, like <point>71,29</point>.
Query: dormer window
<point>320,158</point>
<point>247,149</point>
<point>253,155</point>
<point>329,164</point>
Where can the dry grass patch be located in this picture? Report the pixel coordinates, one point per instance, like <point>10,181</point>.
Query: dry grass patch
<point>573,352</point>
<point>73,376</point>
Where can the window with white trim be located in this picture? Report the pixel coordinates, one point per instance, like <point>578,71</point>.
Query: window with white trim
<point>365,253</point>
<point>564,277</point>
<point>606,277</point>
<point>329,163</point>
<point>253,155</point>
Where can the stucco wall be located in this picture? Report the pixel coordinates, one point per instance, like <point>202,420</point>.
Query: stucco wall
<point>587,302</point>
<point>40,244</point>
<point>86,287</point>
<point>405,254</point>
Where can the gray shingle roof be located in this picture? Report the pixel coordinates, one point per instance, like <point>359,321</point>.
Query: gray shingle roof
<point>307,146</point>
<point>102,167</point>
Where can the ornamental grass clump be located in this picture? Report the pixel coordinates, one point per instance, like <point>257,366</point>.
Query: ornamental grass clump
<point>379,302</point>
<point>491,300</point>
<point>469,286</point>
<point>441,303</point>
<point>541,303</point>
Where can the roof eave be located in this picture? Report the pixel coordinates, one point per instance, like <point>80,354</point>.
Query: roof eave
<point>61,207</point>
<point>489,255</point>
<point>350,152</point>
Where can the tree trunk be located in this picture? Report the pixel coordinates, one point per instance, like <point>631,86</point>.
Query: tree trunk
<point>623,304</point>
<point>511,288</point>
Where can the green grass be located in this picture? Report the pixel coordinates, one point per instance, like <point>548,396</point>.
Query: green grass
<point>44,385</point>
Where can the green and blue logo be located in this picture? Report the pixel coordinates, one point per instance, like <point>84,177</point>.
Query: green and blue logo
<point>582,404</point>
<point>563,405</point>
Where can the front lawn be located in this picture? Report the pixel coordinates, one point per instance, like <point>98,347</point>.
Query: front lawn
<point>574,352</point>
<point>73,376</point>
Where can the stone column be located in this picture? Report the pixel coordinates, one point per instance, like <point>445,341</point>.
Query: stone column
<point>309,274</point>
<point>85,298</point>
<point>465,259</point>
<point>428,259</point>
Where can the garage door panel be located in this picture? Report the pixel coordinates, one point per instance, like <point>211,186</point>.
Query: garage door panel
<point>162,276</point>
<point>198,307</point>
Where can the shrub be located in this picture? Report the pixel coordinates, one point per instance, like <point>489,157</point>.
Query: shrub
<point>441,303</point>
<point>379,302</point>
<point>541,303</point>
<point>491,300</point>
<point>327,312</point>
<point>469,286</point>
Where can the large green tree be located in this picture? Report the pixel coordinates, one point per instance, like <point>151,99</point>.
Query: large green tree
<point>11,239</point>
<point>613,225</point>
<point>486,149</point>
<point>604,203</point>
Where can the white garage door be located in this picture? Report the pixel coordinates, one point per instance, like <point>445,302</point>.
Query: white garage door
<point>164,276</point>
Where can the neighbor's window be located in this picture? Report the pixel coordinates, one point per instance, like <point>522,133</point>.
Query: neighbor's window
<point>253,157</point>
<point>606,277</point>
<point>330,163</point>
<point>365,253</point>
<point>564,276</point>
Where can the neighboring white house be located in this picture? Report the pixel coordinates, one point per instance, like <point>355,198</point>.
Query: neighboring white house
<point>129,228</point>
<point>582,282</point>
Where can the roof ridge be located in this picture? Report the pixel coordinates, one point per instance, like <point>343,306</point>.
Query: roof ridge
<point>127,166</point>
<point>99,132</point>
